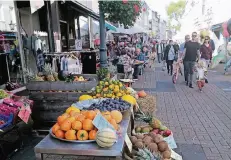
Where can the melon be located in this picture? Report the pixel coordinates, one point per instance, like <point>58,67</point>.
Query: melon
<point>106,137</point>
<point>130,99</point>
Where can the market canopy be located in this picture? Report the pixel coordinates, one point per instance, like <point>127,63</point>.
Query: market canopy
<point>133,30</point>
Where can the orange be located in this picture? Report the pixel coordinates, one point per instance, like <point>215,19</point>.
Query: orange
<point>70,135</point>
<point>55,128</point>
<point>92,135</point>
<point>88,125</point>
<point>82,135</point>
<point>66,125</point>
<point>90,115</point>
<point>76,125</point>
<point>61,119</point>
<point>80,117</point>
<point>59,134</point>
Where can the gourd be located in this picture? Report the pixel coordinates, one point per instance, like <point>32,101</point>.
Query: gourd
<point>106,137</point>
<point>85,97</point>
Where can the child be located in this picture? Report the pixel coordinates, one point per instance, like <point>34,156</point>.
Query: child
<point>201,69</point>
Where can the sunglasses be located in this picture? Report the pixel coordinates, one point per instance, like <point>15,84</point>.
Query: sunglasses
<point>206,39</point>
<point>194,35</point>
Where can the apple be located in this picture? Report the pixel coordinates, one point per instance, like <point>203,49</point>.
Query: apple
<point>167,133</point>
<point>156,131</point>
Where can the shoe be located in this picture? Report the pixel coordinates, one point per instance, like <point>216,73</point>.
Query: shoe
<point>206,81</point>
<point>200,90</point>
<point>190,86</point>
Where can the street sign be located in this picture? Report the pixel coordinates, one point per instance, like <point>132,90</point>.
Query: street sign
<point>78,44</point>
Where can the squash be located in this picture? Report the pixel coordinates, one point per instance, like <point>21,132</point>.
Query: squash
<point>82,135</point>
<point>142,94</point>
<point>85,97</point>
<point>130,99</point>
<point>117,115</point>
<point>106,137</point>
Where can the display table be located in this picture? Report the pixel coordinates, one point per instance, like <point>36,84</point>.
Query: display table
<point>50,145</point>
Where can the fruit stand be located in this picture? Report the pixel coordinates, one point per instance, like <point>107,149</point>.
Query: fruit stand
<point>98,124</point>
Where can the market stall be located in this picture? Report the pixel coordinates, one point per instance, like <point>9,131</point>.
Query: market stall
<point>98,124</point>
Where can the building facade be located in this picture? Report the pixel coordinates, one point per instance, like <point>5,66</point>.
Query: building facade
<point>154,24</point>
<point>162,29</point>
<point>143,20</point>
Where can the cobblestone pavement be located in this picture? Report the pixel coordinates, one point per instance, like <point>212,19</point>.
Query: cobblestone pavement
<point>201,122</point>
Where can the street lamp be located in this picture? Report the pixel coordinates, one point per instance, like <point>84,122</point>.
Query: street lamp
<point>11,25</point>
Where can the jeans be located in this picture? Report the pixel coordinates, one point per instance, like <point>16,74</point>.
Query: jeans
<point>160,57</point>
<point>185,73</point>
<point>189,65</point>
<point>170,66</point>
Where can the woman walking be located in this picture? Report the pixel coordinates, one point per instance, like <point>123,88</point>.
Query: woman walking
<point>206,54</point>
<point>152,57</point>
<point>169,56</point>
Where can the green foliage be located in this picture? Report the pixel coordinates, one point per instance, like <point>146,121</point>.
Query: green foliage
<point>123,12</point>
<point>102,73</point>
<point>175,11</point>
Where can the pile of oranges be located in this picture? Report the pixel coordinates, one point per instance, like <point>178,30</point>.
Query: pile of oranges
<point>77,125</point>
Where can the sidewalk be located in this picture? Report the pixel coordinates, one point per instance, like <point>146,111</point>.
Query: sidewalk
<point>201,122</point>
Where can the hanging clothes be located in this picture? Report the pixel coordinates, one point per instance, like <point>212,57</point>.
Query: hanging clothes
<point>40,61</point>
<point>54,65</point>
<point>64,64</point>
<point>72,67</point>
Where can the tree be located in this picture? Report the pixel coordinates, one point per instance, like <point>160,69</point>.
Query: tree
<point>175,11</point>
<point>124,12</point>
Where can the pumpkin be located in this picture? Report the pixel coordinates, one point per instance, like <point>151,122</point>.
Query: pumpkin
<point>59,134</point>
<point>82,135</point>
<point>142,94</point>
<point>55,128</point>
<point>70,135</point>
<point>130,99</point>
<point>85,97</point>
<point>92,135</point>
<point>106,137</point>
<point>76,125</point>
<point>90,115</point>
<point>88,125</point>
<point>66,125</point>
<point>117,116</point>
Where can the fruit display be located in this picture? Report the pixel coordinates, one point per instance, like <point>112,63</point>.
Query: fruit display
<point>130,99</point>
<point>110,105</point>
<point>77,125</point>
<point>150,145</point>
<point>3,94</point>
<point>106,137</point>
<point>109,89</point>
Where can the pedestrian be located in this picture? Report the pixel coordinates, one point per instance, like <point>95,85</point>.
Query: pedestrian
<point>152,57</point>
<point>201,69</point>
<point>190,55</point>
<point>181,51</point>
<point>159,51</point>
<point>177,48</point>
<point>127,63</point>
<point>206,54</point>
<point>169,56</point>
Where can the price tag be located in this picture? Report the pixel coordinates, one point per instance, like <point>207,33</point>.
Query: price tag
<point>128,143</point>
<point>171,141</point>
<point>78,44</point>
<point>24,113</point>
<point>100,122</point>
<point>175,156</point>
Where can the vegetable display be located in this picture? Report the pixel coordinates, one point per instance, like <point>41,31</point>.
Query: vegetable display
<point>3,94</point>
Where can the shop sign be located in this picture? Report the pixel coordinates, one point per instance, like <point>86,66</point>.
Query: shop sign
<point>100,122</point>
<point>78,44</point>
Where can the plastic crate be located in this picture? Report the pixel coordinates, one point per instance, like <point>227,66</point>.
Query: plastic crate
<point>7,119</point>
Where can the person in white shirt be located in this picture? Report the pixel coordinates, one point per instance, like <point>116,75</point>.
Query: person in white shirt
<point>159,50</point>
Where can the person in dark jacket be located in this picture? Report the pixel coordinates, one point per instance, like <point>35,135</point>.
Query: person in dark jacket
<point>169,56</point>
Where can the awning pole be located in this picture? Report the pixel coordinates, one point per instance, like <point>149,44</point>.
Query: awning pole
<point>20,40</point>
<point>103,53</point>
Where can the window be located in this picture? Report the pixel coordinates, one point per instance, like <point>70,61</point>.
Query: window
<point>1,13</point>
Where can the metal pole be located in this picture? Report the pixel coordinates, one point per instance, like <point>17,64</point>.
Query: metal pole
<point>103,53</point>
<point>50,27</point>
<point>20,40</point>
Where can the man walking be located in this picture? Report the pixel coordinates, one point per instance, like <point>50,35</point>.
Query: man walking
<point>190,55</point>
<point>187,38</point>
<point>159,50</point>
